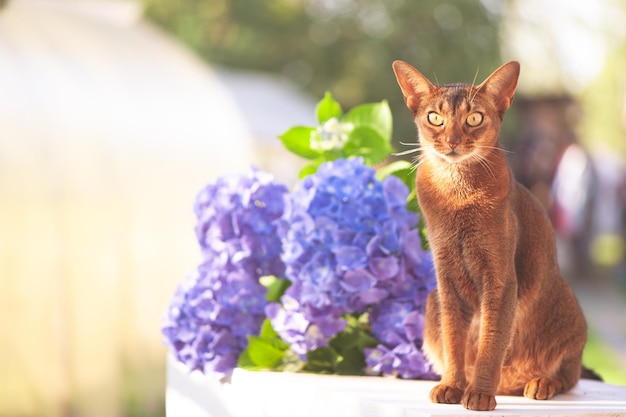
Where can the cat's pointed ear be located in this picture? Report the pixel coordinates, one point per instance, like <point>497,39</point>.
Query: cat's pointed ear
<point>412,83</point>
<point>500,85</point>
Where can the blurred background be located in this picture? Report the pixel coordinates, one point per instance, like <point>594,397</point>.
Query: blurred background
<point>114,113</point>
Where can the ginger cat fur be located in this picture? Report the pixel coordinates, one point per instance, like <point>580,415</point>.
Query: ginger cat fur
<point>502,319</point>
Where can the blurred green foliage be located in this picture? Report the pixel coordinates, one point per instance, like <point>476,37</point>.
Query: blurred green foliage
<point>604,105</point>
<point>602,359</point>
<point>342,46</point>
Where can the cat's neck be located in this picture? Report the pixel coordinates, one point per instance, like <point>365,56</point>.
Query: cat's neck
<point>466,182</point>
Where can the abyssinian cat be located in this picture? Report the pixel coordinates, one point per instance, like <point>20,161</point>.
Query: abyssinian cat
<point>502,319</point>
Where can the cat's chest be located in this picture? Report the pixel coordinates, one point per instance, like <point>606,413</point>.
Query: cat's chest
<point>451,197</point>
<point>456,192</point>
<point>459,211</point>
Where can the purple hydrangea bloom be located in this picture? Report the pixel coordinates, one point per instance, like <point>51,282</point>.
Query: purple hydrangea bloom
<point>351,246</point>
<point>301,327</point>
<point>217,306</point>
<point>236,217</point>
<point>345,241</point>
<point>210,315</point>
<point>399,326</point>
<point>405,360</point>
<point>341,234</point>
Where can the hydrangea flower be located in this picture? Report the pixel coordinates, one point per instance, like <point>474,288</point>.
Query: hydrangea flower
<point>351,246</point>
<point>222,301</point>
<point>341,234</point>
<point>236,217</point>
<point>399,325</point>
<point>210,315</point>
<point>345,241</point>
<point>292,322</point>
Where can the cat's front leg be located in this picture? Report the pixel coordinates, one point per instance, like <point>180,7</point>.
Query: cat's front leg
<point>497,315</point>
<point>454,322</point>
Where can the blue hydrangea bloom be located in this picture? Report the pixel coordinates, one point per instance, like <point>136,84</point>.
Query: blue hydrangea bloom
<point>222,301</point>
<point>351,246</point>
<point>210,315</point>
<point>345,241</point>
<point>405,360</point>
<point>399,325</point>
<point>236,217</point>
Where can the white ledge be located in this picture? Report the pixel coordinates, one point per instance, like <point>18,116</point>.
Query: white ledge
<point>267,394</point>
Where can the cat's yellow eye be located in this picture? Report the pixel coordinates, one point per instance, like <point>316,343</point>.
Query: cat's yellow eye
<point>435,119</point>
<point>474,119</point>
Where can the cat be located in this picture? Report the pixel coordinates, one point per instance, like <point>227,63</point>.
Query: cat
<point>502,320</point>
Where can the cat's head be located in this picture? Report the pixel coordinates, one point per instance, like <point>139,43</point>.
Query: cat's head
<point>458,122</point>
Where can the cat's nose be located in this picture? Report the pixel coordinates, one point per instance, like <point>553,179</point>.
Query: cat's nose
<point>453,141</point>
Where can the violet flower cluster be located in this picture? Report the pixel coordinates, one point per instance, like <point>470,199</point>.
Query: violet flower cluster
<point>350,246</point>
<point>217,306</point>
<point>344,240</point>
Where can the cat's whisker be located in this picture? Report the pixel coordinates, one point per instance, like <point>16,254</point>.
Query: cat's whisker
<point>490,169</point>
<point>407,152</point>
<point>419,160</point>
<point>485,163</point>
<point>476,91</point>
<point>475,76</point>
<point>412,144</point>
<point>494,147</point>
<point>469,92</point>
<point>416,147</point>
<point>482,163</point>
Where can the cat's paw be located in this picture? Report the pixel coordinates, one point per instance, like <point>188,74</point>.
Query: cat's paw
<point>542,388</point>
<point>479,401</point>
<point>445,394</point>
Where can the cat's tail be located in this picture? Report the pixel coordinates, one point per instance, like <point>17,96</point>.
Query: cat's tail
<point>586,373</point>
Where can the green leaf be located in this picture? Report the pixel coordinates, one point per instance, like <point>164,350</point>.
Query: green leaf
<point>322,360</point>
<point>268,334</point>
<point>266,351</point>
<point>262,352</point>
<point>327,108</point>
<point>352,363</point>
<point>413,205</point>
<point>267,331</point>
<point>353,337</point>
<point>376,116</point>
<point>400,169</point>
<point>368,143</point>
<point>298,140</point>
<point>308,170</point>
<point>245,362</point>
<point>345,351</point>
<point>275,287</point>
<point>350,345</point>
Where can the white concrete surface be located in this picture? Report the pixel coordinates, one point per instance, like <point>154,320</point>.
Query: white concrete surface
<point>266,394</point>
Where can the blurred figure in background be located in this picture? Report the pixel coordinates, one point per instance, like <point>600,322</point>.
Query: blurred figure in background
<point>550,162</point>
<point>573,194</point>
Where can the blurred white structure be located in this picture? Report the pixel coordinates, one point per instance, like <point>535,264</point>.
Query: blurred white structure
<point>108,128</point>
